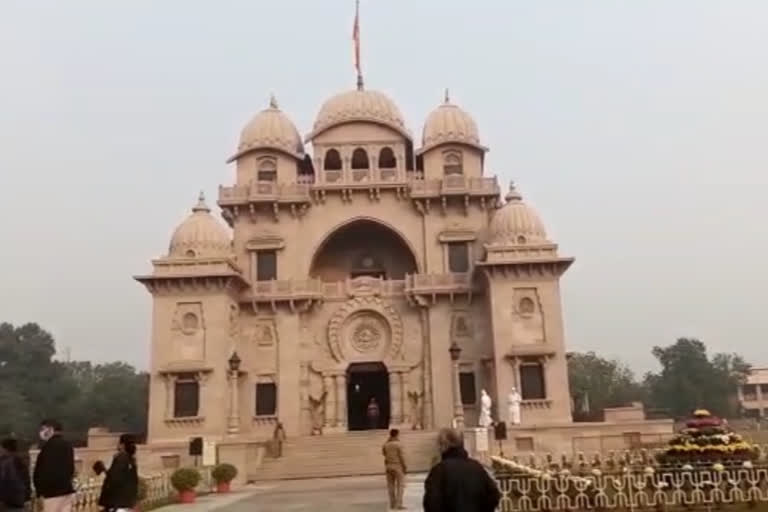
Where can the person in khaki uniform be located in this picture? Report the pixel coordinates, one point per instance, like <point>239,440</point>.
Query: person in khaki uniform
<point>394,464</point>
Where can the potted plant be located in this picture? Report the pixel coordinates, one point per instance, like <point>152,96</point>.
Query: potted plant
<point>184,480</point>
<point>223,474</point>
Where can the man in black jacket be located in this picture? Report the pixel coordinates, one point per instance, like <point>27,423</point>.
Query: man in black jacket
<point>55,469</point>
<point>15,486</point>
<point>458,483</point>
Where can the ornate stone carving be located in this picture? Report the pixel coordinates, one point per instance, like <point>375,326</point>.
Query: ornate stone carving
<point>366,336</point>
<point>234,321</point>
<point>365,325</point>
<point>461,326</point>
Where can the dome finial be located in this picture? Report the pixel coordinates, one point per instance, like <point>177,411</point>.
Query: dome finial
<point>201,206</point>
<point>273,101</point>
<point>447,98</point>
<point>513,194</point>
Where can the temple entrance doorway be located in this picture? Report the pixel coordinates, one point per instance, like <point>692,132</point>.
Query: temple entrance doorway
<point>367,382</point>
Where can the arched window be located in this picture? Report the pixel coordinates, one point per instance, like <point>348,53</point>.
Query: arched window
<point>387,159</point>
<point>267,170</point>
<point>452,164</point>
<point>359,159</point>
<point>332,160</point>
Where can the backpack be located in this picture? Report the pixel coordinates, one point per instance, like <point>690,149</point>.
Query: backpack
<point>13,491</point>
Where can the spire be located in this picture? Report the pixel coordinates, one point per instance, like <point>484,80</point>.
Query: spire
<point>447,98</point>
<point>201,206</point>
<point>513,194</point>
<point>356,41</point>
<point>273,101</point>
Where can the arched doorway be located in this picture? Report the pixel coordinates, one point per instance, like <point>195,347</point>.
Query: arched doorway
<point>366,382</point>
<point>363,247</point>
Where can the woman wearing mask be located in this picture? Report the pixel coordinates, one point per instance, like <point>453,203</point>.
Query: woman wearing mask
<point>120,490</point>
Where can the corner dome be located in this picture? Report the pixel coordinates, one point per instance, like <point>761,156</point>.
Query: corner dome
<point>447,124</point>
<point>516,223</point>
<point>200,235</point>
<point>270,129</point>
<point>359,105</point>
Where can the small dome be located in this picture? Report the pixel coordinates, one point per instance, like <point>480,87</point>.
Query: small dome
<point>448,123</point>
<point>359,105</point>
<point>516,223</point>
<point>200,235</point>
<point>270,129</point>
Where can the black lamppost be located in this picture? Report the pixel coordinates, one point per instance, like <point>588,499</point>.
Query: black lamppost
<point>234,363</point>
<point>233,426</point>
<point>458,407</point>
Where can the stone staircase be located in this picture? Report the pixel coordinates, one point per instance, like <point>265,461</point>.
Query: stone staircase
<point>347,454</point>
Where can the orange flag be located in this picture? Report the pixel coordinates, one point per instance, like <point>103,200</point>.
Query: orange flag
<point>356,38</point>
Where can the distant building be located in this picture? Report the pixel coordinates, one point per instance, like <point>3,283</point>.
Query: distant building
<point>753,394</point>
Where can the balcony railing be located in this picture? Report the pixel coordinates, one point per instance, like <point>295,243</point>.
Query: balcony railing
<point>315,289</point>
<point>432,284</point>
<point>284,290</point>
<point>455,185</point>
<point>264,191</point>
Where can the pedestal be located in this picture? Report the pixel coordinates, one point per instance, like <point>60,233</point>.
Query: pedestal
<point>476,442</point>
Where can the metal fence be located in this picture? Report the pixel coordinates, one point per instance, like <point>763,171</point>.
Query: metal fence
<point>555,487</point>
<point>157,490</point>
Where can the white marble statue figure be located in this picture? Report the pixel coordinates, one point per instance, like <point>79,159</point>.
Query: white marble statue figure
<point>485,420</point>
<point>513,406</point>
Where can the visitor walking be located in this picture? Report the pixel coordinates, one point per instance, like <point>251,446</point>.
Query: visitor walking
<point>278,438</point>
<point>120,490</point>
<point>458,483</point>
<point>373,413</point>
<point>15,486</point>
<point>55,469</point>
<point>394,465</point>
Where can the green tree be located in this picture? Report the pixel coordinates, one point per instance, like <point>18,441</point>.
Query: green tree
<point>597,383</point>
<point>689,379</point>
<point>79,394</point>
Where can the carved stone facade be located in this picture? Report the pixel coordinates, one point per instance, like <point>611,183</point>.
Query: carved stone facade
<point>346,277</point>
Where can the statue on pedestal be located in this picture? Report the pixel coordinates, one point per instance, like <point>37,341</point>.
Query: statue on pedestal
<point>513,406</point>
<point>485,420</point>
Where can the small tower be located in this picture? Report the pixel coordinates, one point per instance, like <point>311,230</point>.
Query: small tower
<point>450,143</point>
<point>270,148</point>
<point>194,328</point>
<point>523,270</point>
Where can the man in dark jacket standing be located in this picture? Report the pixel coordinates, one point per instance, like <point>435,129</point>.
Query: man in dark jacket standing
<point>15,487</point>
<point>54,469</point>
<point>458,483</point>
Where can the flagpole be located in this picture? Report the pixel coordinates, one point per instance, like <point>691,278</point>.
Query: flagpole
<point>356,40</point>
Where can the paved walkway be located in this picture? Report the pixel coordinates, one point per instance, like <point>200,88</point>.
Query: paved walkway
<point>354,494</point>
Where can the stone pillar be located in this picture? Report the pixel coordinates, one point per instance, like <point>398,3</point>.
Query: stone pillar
<point>341,400</point>
<point>458,407</point>
<point>170,382</point>
<point>330,401</point>
<point>394,399</point>
<point>233,422</point>
<point>403,397</point>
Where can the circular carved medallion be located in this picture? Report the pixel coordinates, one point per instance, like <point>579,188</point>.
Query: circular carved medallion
<point>366,336</point>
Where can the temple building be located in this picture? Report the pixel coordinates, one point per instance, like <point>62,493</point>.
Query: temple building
<point>356,265</point>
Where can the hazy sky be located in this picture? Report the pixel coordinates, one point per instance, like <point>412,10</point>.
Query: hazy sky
<point>636,128</point>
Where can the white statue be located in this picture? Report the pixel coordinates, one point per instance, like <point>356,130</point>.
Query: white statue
<point>485,420</point>
<point>513,406</point>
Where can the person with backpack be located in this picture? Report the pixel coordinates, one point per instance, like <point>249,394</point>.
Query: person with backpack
<point>54,472</point>
<point>15,485</point>
<point>120,491</point>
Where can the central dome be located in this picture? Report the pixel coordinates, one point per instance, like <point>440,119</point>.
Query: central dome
<point>359,105</point>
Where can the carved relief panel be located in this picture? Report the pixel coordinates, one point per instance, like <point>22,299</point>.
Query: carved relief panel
<point>365,329</point>
<point>527,317</point>
<point>188,328</point>
<point>258,342</point>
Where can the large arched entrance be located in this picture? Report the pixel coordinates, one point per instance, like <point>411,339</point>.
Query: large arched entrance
<point>367,382</point>
<point>363,247</point>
